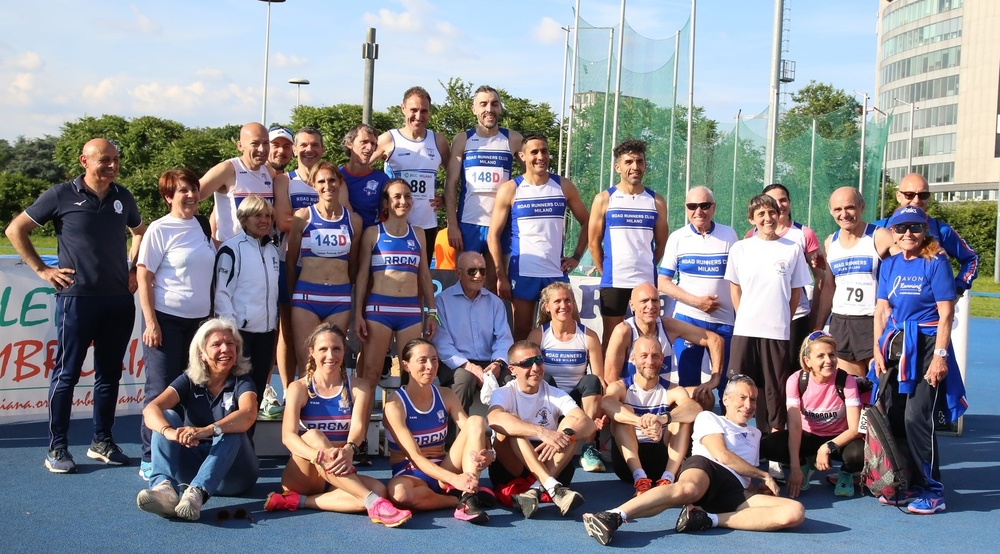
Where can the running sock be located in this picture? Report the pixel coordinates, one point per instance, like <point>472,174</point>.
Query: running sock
<point>370,500</point>
<point>668,476</point>
<point>619,512</point>
<point>638,474</point>
<point>714,518</point>
<point>550,485</point>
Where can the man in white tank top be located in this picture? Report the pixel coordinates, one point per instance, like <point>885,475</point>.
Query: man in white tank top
<point>232,180</point>
<point>481,160</point>
<point>414,153</point>
<point>853,257</point>
<point>536,203</point>
<point>628,231</point>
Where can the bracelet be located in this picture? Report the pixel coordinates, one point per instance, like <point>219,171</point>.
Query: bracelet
<point>354,448</point>
<point>577,256</point>
<point>163,429</point>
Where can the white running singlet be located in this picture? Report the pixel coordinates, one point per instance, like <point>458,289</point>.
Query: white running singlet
<point>538,221</point>
<point>566,361</point>
<point>486,164</point>
<point>855,271</point>
<point>416,162</point>
<point>700,263</point>
<point>248,183</point>
<point>628,239</point>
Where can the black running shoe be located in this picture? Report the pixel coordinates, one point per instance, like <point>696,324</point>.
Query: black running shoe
<point>602,525</point>
<point>527,501</point>
<point>692,520</point>
<point>468,509</point>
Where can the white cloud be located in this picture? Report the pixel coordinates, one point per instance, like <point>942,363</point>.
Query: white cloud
<point>104,91</point>
<point>281,60</point>
<point>140,23</point>
<point>158,98</point>
<point>19,91</point>
<point>28,61</point>
<point>417,18</point>
<point>209,73</point>
<point>548,31</point>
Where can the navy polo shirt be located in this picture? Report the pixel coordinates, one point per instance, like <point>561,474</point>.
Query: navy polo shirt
<point>91,234</point>
<point>201,409</point>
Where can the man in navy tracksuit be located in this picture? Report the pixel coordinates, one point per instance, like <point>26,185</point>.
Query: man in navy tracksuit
<point>94,285</point>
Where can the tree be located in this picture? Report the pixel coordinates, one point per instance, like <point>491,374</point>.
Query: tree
<point>333,122</point>
<point>18,191</point>
<point>34,158</point>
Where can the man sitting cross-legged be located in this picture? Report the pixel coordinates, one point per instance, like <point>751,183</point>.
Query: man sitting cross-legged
<point>537,425</point>
<point>714,487</point>
<point>650,421</point>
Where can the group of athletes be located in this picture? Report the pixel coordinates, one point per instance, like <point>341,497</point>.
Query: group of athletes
<point>353,235</point>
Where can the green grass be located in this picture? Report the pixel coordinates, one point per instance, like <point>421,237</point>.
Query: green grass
<point>985,307</point>
<point>44,245</point>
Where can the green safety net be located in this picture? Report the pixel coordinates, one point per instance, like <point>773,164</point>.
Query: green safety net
<point>812,165</point>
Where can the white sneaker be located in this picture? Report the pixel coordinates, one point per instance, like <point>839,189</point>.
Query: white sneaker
<point>270,406</point>
<point>190,505</point>
<point>774,470</point>
<point>160,500</point>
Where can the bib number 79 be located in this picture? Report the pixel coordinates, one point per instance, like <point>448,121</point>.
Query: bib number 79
<point>855,294</point>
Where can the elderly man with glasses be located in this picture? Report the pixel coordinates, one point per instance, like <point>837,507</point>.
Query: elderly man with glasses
<point>474,334</point>
<point>537,428</point>
<point>696,255</point>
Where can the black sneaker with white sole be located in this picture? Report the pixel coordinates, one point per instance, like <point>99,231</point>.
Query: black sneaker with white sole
<point>692,520</point>
<point>108,452</point>
<point>602,525</point>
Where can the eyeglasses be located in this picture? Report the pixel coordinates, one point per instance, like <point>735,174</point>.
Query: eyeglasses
<point>527,363</point>
<point>224,515</point>
<point>921,195</point>
<point>902,228</point>
<point>473,271</point>
<point>279,128</point>
<point>742,377</point>
<point>705,206</point>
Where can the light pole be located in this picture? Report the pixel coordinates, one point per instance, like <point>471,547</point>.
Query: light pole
<point>864,120</point>
<point>298,82</point>
<point>267,39</point>
<point>909,142</point>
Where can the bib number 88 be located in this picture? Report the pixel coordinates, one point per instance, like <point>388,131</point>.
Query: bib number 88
<point>418,187</point>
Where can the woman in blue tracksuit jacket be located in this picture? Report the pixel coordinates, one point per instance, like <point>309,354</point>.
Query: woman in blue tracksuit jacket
<point>916,293</point>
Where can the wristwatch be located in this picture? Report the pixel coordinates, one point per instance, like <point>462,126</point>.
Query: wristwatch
<point>832,447</point>
<point>941,352</point>
<point>216,430</point>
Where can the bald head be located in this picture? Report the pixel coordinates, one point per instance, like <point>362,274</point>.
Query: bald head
<point>254,145</point>
<point>100,162</point>
<point>915,186</point>
<point>700,194</point>
<point>645,302</point>
<point>847,207</point>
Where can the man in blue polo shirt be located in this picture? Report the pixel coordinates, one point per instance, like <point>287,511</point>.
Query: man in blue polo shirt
<point>94,285</point>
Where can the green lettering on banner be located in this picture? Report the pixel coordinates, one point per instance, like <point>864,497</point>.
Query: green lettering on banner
<point>27,306</point>
<point>4,300</point>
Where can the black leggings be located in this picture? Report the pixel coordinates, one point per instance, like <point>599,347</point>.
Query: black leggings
<point>775,447</point>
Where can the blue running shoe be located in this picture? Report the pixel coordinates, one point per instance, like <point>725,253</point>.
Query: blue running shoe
<point>60,461</point>
<point>145,470</point>
<point>927,504</point>
<point>902,498</point>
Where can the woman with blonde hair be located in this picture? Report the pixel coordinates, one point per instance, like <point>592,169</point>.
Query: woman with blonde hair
<point>209,447</point>
<point>569,348</point>
<point>323,431</point>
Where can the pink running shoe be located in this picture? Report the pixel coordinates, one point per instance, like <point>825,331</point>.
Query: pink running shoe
<point>385,513</point>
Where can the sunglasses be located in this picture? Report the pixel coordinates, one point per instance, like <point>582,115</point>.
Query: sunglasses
<point>527,363</point>
<point>705,206</point>
<point>279,127</point>
<point>224,515</point>
<point>742,377</point>
<point>921,195</point>
<point>817,334</point>
<point>473,271</point>
<point>902,228</point>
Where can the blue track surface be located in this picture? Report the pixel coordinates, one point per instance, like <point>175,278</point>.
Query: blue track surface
<point>95,510</point>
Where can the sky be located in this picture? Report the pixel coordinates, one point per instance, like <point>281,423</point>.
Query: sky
<point>201,62</point>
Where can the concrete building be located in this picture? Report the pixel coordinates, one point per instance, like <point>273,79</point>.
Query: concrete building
<point>943,58</point>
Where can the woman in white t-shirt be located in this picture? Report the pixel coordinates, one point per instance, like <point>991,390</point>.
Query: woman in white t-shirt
<point>822,420</point>
<point>174,270</point>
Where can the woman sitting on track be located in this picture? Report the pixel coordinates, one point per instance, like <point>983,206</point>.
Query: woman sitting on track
<point>209,447</point>
<point>320,473</point>
<point>425,476</point>
<point>823,418</point>
<point>568,347</point>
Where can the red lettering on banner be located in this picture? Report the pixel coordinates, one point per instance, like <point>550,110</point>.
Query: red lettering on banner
<point>21,361</point>
<point>50,357</point>
<point>134,366</point>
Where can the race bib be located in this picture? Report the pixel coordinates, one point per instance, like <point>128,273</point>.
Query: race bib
<point>421,183</point>
<point>330,243</point>
<point>485,171</point>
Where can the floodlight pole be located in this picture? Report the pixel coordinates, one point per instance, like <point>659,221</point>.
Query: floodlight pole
<point>864,121</point>
<point>572,88</point>
<point>562,105</point>
<point>267,45</point>
<point>369,52</point>
<point>772,111</point>
<point>673,117</point>
<point>607,93</point>
<point>618,74</point>
<point>687,176</point>
<point>736,149</point>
